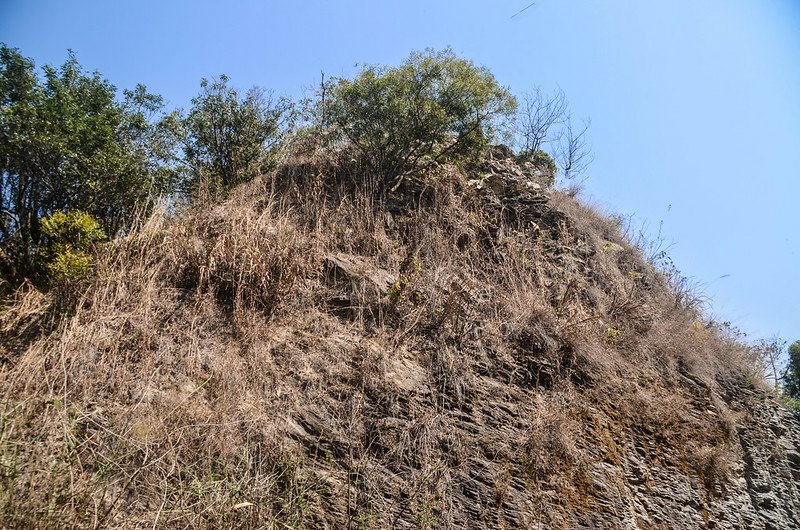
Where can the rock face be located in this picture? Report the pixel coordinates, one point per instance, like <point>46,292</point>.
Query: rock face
<point>627,478</point>
<point>511,181</point>
<point>759,492</point>
<point>770,466</point>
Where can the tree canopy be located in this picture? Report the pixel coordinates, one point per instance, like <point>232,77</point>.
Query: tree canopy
<point>75,150</point>
<point>435,106</point>
<point>67,143</point>
<point>792,377</point>
<point>230,137</point>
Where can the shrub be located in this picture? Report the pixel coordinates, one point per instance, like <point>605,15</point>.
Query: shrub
<point>434,107</point>
<point>68,240</point>
<point>541,160</point>
<point>67,141</point>
<point>231,137</point>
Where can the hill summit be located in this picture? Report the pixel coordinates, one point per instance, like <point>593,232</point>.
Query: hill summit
<point>468,349</point>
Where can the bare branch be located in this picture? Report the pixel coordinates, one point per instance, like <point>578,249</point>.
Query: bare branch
<point>539,113</point>
<point>769,353</point>
<point>573,155</point>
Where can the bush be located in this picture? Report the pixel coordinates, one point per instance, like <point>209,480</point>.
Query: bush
<point>434,107</point>
<point>67,141</point>
<point>540,160</point>
<point>231,137</point>
<point>68,240</point>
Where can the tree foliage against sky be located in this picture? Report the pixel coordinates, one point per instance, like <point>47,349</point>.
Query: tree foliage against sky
<point>67,143</point>
<point>71,144</point>
<point>435,106</point>
<point>792,378</point>
<point>230,137</point>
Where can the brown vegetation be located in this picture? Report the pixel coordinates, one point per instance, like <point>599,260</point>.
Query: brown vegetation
<point>224,368</point>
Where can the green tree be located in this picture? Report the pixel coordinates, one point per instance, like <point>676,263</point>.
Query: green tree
<point>435,106</point>
<point>231,138</point>
<point>153,138</point>
<point>792,377</point>
<point>66,143</point>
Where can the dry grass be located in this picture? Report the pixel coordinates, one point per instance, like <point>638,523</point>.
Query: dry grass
<point>208,376</point>
<point>712,464</point>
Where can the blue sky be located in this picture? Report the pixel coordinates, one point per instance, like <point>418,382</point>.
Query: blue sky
<point>695,105</point>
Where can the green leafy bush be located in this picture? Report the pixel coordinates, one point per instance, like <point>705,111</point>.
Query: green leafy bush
<point>68,240</point>
<point>435,106</point>
<point>231,137</point>
<point>67,141</point>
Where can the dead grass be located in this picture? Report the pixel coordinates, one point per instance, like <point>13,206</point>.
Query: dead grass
<point>213,374</point>
<point>551,451</point>
<point>712,464</point>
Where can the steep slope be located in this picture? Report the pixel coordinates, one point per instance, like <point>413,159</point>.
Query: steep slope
<point>465,353</point>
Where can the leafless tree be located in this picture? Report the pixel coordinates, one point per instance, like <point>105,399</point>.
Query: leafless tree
<point>770,354</point>
<point>573,155</point>
<point>539,113</point>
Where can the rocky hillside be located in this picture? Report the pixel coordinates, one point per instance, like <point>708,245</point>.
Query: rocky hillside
<point>463,351</point>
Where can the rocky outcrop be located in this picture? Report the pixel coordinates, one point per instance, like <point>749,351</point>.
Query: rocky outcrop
<point>509,180</point>
<point>759,490</point>
<point>770,465</point>
<point>479,351</point>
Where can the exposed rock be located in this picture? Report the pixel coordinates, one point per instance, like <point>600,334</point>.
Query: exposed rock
<point>508,180</point>
<point>761,492</point>
<point>356,268</point>
<point>363,283</point>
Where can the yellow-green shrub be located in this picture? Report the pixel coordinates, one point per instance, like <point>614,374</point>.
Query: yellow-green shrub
<point>68,238</point>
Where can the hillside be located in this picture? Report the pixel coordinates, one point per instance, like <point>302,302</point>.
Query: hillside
<point>474,351</point>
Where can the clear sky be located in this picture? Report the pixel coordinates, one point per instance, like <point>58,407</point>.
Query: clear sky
<point>695,105</point>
